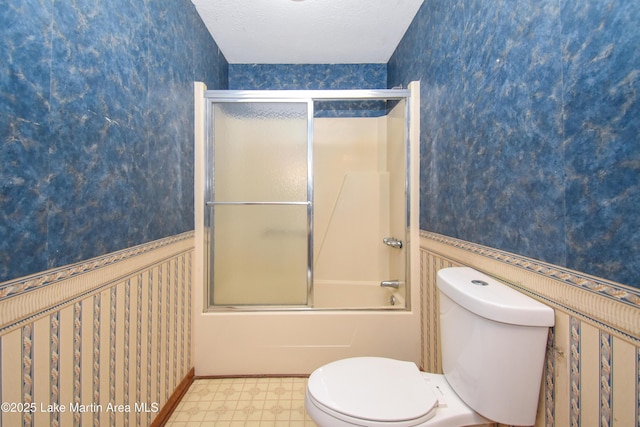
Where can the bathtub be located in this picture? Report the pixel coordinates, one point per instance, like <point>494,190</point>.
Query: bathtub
<point>360,322</point>
<point>297,342</point>
<point>348,319</point>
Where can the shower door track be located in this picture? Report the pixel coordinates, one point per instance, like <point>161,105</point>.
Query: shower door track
<point>303,95</point>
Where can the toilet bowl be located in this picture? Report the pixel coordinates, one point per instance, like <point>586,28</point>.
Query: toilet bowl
<point>381,392</point>
<point>493,349</point>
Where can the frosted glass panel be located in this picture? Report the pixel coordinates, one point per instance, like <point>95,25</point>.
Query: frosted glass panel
<point>260,151</point>
<point>260,247</point>
<point>260,255</point>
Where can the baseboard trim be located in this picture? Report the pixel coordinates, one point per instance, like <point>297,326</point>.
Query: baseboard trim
<point>165,412</point>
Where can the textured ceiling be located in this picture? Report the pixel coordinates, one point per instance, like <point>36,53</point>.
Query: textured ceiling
<point>307,31</point>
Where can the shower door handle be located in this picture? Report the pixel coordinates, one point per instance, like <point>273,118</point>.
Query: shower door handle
<point>393,242</point>
<point>257,203</point>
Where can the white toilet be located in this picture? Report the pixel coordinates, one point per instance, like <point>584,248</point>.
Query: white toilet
<point>493,350</point>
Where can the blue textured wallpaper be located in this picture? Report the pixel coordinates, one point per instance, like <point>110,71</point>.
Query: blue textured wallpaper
<point>531,127</point>
<point>307,76</point>
<point>96,124</point>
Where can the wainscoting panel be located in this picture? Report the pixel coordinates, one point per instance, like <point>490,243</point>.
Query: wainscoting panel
<point>592,373</point>
<point>105,342</point>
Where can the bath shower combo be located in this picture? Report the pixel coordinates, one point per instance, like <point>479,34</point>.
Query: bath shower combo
<point>306,215</point>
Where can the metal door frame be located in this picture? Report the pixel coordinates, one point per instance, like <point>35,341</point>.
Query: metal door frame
<point>287,96</point>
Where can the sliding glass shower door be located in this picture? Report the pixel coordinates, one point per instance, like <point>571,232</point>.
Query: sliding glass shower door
<point>259,196</point>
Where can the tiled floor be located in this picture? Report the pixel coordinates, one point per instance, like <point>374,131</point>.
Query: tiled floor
<point>263,402</point>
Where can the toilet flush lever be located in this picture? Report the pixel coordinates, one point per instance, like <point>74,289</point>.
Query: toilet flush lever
<point>393,242</point>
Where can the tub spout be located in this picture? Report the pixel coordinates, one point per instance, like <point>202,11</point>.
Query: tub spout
<point>390,284</point>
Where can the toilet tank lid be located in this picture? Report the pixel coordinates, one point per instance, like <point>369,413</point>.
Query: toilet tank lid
<point>491,299</point>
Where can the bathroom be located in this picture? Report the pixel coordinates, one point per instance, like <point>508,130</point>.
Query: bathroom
<point>529,172</point>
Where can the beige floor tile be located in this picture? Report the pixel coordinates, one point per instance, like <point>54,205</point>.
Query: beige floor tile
<point>248,402</point>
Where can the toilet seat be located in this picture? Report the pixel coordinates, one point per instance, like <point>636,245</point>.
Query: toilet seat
<point>372,390</point>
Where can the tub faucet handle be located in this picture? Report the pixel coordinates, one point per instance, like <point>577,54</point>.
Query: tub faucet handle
<point>393,242</point>
<point>390,284</point>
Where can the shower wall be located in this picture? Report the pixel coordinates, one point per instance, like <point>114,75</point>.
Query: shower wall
<point>359,167</point>
<point>350,176</point>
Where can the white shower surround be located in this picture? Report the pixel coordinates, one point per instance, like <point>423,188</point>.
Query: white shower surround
<point>297,342</point>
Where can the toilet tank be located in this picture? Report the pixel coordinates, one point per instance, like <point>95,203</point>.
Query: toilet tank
<point>493,344</point>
